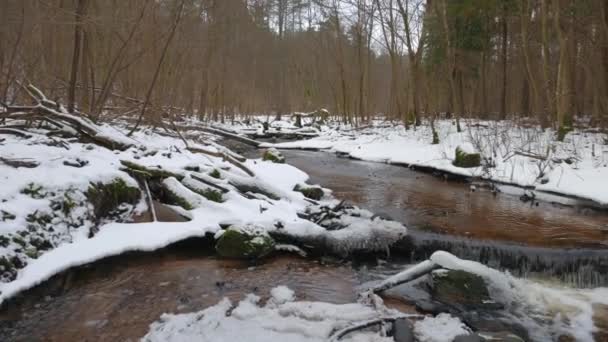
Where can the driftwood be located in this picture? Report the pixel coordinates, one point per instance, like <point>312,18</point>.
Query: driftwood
<point>223,133</point>
<point>55,114</point>
<point>17,162</point>
<point>338,335</point>
<point>15,131</point>
<point>225,156</point>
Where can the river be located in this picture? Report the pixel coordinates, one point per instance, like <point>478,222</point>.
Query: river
<point>117,298</point>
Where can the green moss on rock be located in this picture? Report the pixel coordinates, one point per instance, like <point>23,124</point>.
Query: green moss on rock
<point>109,196</point>
<point>312,192</point>
<point>215,174</point>
<point>466,160</point>
<point>33,190</point>
<point>248,242</point>
<point>460,288</point>
<point>273,155</point>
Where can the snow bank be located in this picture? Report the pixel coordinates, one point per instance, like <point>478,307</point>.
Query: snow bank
<point>281,319</point>
<point>519,156</point>
<point>82,239</point>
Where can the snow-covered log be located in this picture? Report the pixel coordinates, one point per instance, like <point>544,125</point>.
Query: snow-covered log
<point>46,108</point>
<point>408,275</point>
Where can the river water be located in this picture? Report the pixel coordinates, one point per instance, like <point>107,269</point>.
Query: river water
<point>117,298</point>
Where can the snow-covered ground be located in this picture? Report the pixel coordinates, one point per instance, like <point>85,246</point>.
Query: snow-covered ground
<point>48,224</point>
<point>283,318</point>
<point>523,156</point>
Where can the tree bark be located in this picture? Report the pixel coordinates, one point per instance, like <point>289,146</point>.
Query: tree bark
<point>80,12</point>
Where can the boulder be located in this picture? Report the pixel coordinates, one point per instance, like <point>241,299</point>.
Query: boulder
<point>466,157</point>
<point>273,155</point>
<point>107,197</point>
<point>312,192</point>
<point>244,242</point>
<point>460,289</point>
<point>403,330</point>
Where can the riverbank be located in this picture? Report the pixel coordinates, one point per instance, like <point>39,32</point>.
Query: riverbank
<point>524,156</point>
<point>66,203</point>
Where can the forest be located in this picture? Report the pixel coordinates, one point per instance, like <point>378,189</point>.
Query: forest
<point>304,170</point>
<point>408,60</point>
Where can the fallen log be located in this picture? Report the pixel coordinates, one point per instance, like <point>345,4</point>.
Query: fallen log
<point>54,113</point>
<point>224,156</point>
<point>406,276</point>
<point>17,162</point>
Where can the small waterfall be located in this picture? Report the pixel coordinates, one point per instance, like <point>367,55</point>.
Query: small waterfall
<point>583,268</point>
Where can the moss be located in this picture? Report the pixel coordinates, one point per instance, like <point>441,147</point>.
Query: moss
<point>273,155</point>
<point>31,252</point>
<point>562,131</point>
<point>40,243</point>
<point>212,195</point>
<point>4,241</point>
<point>174,199</point>
<point>235,243</point>
<point>6,216</point>
<point>40,218</point>
<point>466,160</point>
<point>19,240</point>
<point>457,287</point>
<point>215,174</point>
<point>435,138</point>
<point>33,190</point>
<point>312,192</point>
<point>68,204</point>
<point>107,197</point>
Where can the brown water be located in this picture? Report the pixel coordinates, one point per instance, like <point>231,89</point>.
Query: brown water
<point>116,299</point>
<point>429,203</point>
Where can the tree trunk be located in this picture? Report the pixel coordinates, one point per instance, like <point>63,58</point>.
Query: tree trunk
<point>80,12</point>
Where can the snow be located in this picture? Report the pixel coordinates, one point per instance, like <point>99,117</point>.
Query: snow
<point>408,275</point>
<point>282,294</point>
<point>281,319</point>
<point>77,238</point>
<point>508,145</point>
<point>442,328</point>
<point>544,310</point>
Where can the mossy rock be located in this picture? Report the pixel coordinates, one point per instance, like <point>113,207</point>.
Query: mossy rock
<point>312,192</point>
<point>34,191</point>
<point>466,160</point>
<point>215,174</point>
<point>8,271</point>
<point>212,195</point>
<point>107,197</point>
<point>246,242</point>
<point>273,155</point>
<point>461,289</point>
